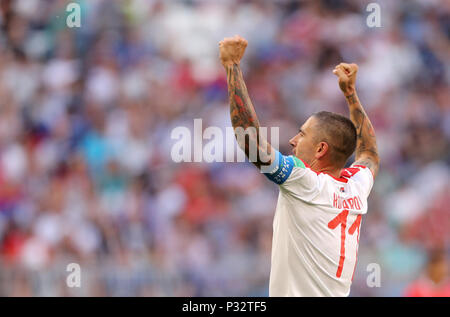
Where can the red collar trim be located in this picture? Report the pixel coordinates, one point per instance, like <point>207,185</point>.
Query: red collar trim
<point>339,179</point>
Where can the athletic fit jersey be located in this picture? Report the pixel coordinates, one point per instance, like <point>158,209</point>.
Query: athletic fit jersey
<point>316,228</point>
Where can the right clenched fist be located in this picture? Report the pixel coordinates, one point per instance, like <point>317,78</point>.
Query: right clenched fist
<point>346,74</point>
<point>231,50</point>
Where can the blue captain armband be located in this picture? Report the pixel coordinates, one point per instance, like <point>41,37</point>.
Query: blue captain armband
<point>280,169</point>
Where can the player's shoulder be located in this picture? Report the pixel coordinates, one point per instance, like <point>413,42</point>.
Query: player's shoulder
<point>356,170</point>
<point>360,175</point>
<point>282,167</point>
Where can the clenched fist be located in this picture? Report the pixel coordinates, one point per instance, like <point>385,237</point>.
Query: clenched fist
<point>346,74</point>
<point>232,49</point>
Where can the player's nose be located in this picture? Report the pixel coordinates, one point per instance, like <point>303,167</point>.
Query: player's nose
<point>292,142</point>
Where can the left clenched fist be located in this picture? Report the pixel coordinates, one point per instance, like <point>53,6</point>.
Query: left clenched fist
<point>232,49</point>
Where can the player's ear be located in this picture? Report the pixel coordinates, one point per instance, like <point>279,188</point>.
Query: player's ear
<point>322,149</point>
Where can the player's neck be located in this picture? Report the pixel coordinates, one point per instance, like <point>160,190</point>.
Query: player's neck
<point>333,171</point>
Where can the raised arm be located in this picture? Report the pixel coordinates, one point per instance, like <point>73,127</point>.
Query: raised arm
<point>243,116</point>
<point>366,145</point>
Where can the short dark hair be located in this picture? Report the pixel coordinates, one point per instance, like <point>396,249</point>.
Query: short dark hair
<point>340,134</point>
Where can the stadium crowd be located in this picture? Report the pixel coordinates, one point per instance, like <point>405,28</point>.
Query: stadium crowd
<point>86,114</point>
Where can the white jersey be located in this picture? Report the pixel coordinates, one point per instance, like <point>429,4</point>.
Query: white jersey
<point>316,228</point>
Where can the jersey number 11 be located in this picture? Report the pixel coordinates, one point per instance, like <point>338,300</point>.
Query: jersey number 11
<point>341,219</point>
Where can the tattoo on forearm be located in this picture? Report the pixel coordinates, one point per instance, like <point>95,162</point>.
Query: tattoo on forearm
<point>243,115</point>
<point>351,98</point>
<point>241,108</point>
<point>366,145</point>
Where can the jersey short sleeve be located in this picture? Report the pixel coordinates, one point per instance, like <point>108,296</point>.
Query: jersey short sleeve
<point>292,175</point>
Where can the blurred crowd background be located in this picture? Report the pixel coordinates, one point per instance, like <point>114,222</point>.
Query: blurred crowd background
<point>86,115</point>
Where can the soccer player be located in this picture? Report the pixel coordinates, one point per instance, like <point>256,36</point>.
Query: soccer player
<point>320,205</point>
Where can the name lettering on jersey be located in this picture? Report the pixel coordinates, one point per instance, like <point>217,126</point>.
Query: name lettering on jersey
<point>354,203</point>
